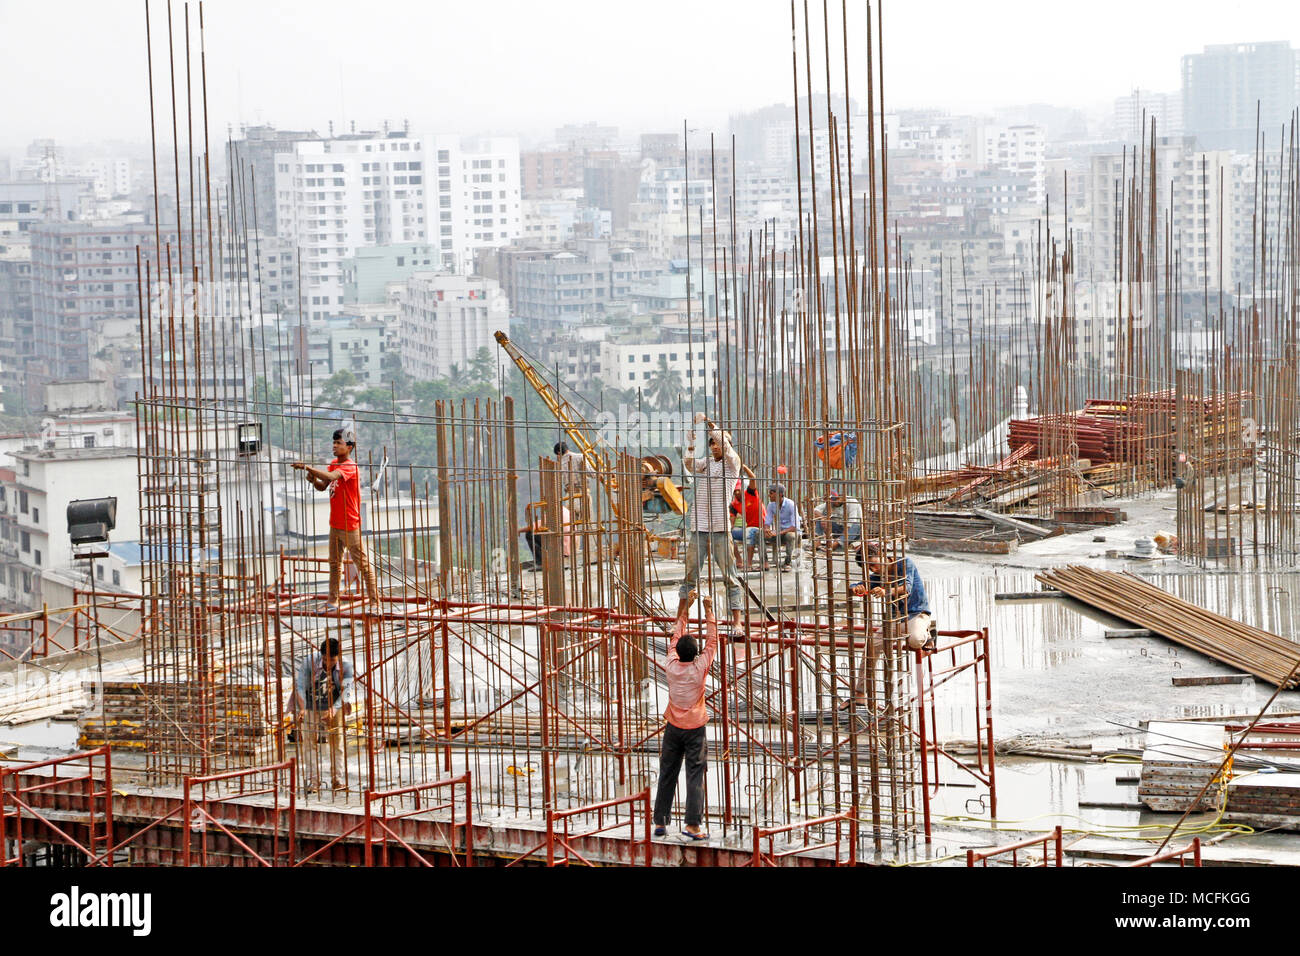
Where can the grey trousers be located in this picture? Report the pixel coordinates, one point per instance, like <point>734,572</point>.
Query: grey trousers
<point>717,544</point>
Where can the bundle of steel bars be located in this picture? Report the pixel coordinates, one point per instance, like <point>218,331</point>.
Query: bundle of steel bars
<point>1254,651</point>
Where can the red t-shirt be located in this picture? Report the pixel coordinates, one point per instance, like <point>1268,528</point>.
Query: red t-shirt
<point>345,497</point>
<point>755,513</point>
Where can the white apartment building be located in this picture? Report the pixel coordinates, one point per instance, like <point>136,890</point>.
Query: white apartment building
<point>1020,150</point>
<point>336,196</point>
<point>446,319</point>
<point>34,538</point>
<point>667,190</point>
<point>110,177</point>
<point>633,364</point>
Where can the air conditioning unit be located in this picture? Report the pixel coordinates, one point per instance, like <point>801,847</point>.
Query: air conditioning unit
<point>107,431</point>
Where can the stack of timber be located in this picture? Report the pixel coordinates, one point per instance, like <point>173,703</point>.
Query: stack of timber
<point>1248,649</point>
<point>960,531</point>
<point>132,714</point>
<point>1177,763</point>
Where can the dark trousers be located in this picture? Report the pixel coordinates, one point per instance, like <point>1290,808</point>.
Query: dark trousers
<point>677,744</point>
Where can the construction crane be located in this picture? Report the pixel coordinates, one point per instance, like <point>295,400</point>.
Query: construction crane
<point>657,482</point>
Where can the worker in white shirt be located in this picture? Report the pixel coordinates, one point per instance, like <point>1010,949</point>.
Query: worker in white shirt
<point>709,520</point>
<point>838,522</point>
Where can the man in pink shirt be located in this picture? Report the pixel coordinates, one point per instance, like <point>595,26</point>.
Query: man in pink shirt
<point>686,667</point>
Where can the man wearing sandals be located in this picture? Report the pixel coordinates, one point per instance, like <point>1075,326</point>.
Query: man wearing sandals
<point>686,668</point>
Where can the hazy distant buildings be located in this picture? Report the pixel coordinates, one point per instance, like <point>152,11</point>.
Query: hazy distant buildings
<point>544,173</point>
<point>588,136</point>
<point>83,288</point>
<point>1164,109</point>
<point>582,281</point>
<point>26,202</point>
<point>1223,85</point>
<point>611,183</point>
<point>253,161</point>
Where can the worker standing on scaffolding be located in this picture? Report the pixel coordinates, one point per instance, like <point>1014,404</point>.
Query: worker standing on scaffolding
<point>344,484</point>
<point>573,478</point>
<point>323,699</point>
<point>686,717</point>
<point>710,521</point>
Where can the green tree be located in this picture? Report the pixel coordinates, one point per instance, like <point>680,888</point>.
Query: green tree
<point>481,366</point>
<point>665,386</point>
<point>338,390</point>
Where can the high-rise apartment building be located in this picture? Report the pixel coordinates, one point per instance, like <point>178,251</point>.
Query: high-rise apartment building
<point>1227,86</point>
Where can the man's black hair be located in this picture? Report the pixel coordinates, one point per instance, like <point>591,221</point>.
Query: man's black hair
<point>561,449</point>
<point>345,436</point>
<point>330,647</point>
<point>686,649</point>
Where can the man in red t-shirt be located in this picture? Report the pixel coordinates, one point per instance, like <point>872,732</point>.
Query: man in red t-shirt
<point>344,485</point>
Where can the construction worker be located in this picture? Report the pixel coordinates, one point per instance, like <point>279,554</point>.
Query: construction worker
<point>782,526</point>
<point>748,534</point>
<point>709,519</point>
<point>537,527</point>
<point>838,521</point>
<point>907,598</point>
<point>573,477</point>
<point>323,699</point>
<point>686,716</point>
<point>344,483</point>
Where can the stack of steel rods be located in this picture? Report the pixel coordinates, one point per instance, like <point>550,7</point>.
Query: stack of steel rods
<point>1266,656</point>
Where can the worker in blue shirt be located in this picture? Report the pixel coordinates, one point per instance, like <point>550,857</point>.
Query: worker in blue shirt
<point>907,596</point>
<point>782,525</point>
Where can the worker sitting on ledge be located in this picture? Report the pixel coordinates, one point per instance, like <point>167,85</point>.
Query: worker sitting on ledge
<point>344,484</point>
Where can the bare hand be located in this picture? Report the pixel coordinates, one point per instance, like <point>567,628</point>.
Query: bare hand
<point>878,592</point>
<point>690,598</point>
<point>860,590</point>
<point>708,606</point>
<point>298,465</point>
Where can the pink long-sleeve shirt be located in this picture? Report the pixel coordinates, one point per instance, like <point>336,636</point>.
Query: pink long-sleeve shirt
<point>686,709</point>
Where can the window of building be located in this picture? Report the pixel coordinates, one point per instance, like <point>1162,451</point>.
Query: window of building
<point>117,578</point>
<point>25,539</point>
<point>36,557</point>
<point>22,501</point>
<point>36,516</point>
<point>88,441</point>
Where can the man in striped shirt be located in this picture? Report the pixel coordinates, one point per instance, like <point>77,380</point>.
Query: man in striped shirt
<point>709,522</point>
<point>686,669</point>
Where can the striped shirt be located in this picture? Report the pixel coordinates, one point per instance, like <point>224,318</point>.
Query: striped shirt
<point>715,482</point>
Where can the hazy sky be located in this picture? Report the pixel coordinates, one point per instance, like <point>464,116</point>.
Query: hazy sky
<point>75,69</point>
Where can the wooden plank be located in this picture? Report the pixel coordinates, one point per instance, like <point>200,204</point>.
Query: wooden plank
<point>966,545</point>
<point>1209,681</point>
